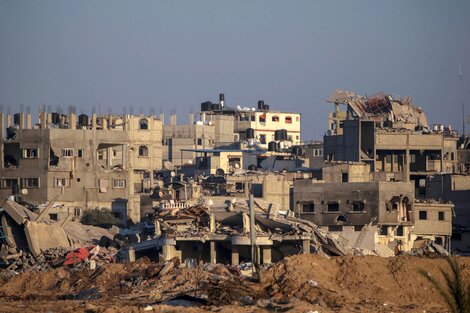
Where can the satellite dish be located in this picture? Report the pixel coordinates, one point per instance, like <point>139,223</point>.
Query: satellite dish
<point>237,166</point>
<point>172,174</point>
<point>24,191</point>
<point>190,161</point>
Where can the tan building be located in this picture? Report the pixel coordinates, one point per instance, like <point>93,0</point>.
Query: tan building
<point>104,162</point>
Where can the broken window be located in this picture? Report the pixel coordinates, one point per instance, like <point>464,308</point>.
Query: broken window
<point>344,177</point>
<point>30,153</point>
<point>62,182</point>
<point>143,151</point>
<point>80,153</point>
<point>423,215</point>
<point>308,207</point>
<point>262,139</point>
<point>199,141</point>
<point>399,231</point>
<point>53,159</point>
<point>332,206</point>
<point>119,183</point>
<point>77,212</point>
<point>358,227</point>
<point>275,118</point>
<point>358,206</point>
<point>441,215</point>
<point>143,124</point>
<point>240,187</point>
<point>53,216</point>
<point>335,228</point>
<point>257,190</point>
<point>383,230</point>
<point>67,152</point>
<point>8,183</point>
<point>30,182</point>
<point>262,118</point>
<point>288,120</point>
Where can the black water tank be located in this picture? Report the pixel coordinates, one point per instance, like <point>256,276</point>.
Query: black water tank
<point>260,105</point>
<point>272,146</point>
<point>284,134</point>
<point>277,135</point>
<point>55,118</point>
<point>252,167</point>
<point>216,107</point>
<point>16,119</point>
<point>206,106</point>
<point>15,189</point>
<point>266,107</point>
<point>219,172</point>
<point>11,132</point>
<point>83,120</point>
<point>250,133</point>
<point>388,124</point>
<point>297,151</point>
<point>221,97</point>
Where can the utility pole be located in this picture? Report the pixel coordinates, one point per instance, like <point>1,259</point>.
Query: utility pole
<point>254,250</point>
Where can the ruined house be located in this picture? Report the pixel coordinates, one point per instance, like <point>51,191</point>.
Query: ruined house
<point>390,135</point>
<point>90,162</point>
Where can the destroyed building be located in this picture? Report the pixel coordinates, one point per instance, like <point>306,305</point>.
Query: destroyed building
<point>349,199</point>
<point>390,135</point>
<point>90,162</point>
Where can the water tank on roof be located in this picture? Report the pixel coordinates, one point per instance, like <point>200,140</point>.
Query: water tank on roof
<point>83,120</point>
<point>280,134</point>
<point>206,106</point>
<point>55,118</point>
<point>266,107</point>
<point>260,105</point>
<point>250,133</point>
<point>297,151</point>
<point>272,146</point>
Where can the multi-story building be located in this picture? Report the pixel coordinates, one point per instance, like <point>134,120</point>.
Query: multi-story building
<point>392,137</point>
<point>97,162</point>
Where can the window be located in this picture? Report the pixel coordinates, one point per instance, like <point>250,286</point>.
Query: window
<point>423,215</point>
<point>257,190</point>
<point>308,207</point>
<point>358,227</point>
<point>143,124</point>
<point>441,216</point>
<point>399,231</point>
<point>288,120</point>
<point>335,228</point>
<point>8,183</point>
<point>80,153</point>
<point>119,183</point>
<point>143,151</point>
<point>62,182</point>
<point>358,206</point>
<point>262,118</point>
<point>53,216</point>
<point>262,138</point>
<point>383,231</point>
<point>100,154</point>
<point>332,206</point>
<point>344,177</point>
<point>30,153</point>
<point>240,187</point>
<point>252,118</point>
<point>199,141</point>
<point>275,118</point>
<point>67,152</point>
<point>30,182</point>
<point>77,212</point>
<point>297,119</point>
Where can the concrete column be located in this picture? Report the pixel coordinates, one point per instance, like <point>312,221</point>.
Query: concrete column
<point>162,118</point>
<point>235,256</point>
<point>28,121</point>
<point>42,119</point>
<point>173,119</point>
<point>2,127</point>
<point>130,255</point>
<point>72,121</point>
<point>212,222</point>
<point>306,246</point>
<point>407,166</point>
<point>21,126</point>
<point>93,121</point>
<point>49,120</point>
<point>8,123</point>
<point>158,231</point>
<point>267,255</point>
<point>213,253</point>
<point>191,118</point>
<point>105,123</point>
<point>169,252</point>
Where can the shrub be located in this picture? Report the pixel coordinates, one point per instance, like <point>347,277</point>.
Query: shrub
<point>102,218</point>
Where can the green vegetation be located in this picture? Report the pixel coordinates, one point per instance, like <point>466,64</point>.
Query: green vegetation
<point>455,291</point>
<point>102,218</point>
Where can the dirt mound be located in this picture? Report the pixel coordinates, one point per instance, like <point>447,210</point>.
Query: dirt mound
<point>301,283</point>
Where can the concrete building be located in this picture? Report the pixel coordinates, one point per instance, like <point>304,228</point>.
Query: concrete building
<point>392,137</point>
<point>98,162</point>
<point>313,152</point>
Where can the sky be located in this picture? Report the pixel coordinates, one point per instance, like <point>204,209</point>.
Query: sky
<point>172,55</point>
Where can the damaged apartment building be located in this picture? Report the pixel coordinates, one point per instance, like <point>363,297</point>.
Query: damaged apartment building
<point>351,202</point>
<point>391,135</point>
<point>80,162</point>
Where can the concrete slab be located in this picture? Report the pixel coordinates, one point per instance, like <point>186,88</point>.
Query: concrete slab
<point>41,236</point>
<point>18,213</point>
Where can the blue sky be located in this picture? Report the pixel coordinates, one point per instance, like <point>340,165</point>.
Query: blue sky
<point>173,55</point>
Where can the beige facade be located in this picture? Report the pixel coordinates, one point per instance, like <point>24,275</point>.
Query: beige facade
<point>104,162</point>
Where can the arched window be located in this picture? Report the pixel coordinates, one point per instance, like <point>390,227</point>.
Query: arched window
<point>143,151</point>
<point>288,120</point>
<point>143,123</point>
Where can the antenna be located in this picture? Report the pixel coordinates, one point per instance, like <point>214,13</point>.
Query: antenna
<point>461,96</point>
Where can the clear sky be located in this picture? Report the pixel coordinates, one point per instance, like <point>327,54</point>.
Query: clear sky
<point>173,55</point>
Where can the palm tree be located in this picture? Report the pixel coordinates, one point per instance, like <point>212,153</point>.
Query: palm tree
<point>455,291</point>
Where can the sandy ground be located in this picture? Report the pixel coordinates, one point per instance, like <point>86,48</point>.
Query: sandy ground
<point>304,283</point>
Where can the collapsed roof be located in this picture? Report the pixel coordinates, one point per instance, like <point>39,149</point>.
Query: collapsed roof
<point>380,106</point>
